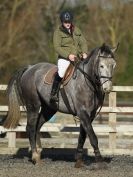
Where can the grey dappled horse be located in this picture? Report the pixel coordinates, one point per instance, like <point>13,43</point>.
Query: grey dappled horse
<point>85,94</point>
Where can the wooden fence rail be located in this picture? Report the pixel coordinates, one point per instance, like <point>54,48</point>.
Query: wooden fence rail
<point>112,128</point>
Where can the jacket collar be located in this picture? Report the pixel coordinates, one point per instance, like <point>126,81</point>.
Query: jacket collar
<point>63,29</point>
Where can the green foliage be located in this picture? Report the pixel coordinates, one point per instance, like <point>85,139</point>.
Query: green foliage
<point>126,77</point>
<point>30,25</point>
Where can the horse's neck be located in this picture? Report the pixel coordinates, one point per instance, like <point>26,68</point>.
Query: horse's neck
<point>88,67</point>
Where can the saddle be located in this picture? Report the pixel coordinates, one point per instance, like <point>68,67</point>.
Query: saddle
<point>49,76</point>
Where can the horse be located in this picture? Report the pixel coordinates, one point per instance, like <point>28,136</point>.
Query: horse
<point>85,94</point>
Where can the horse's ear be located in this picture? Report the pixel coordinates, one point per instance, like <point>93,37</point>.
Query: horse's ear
<point>103,47</point>
<point>114,49</point>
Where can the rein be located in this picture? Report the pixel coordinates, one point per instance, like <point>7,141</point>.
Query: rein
<point>97,78</point>
<point>95,83</point>
<point>86,76</point>
<point>89,78</point>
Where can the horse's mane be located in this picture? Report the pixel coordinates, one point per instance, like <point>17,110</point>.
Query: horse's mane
<point>92,55</point>
<point>104,49</point>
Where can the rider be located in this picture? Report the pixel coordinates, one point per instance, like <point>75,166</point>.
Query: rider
<point>69,43</point>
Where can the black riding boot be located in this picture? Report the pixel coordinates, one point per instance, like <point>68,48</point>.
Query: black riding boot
<point>55,88</point>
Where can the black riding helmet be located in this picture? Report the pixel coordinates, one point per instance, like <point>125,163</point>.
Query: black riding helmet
<point>66,16</point>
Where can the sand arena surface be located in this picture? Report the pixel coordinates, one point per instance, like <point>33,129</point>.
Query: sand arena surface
<point>62,165</point>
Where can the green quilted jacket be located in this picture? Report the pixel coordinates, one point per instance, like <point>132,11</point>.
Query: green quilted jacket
<point>66,43</point>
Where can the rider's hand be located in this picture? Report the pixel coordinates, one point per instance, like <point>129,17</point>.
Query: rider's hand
<point>84,55</point>
<point>72,57</point>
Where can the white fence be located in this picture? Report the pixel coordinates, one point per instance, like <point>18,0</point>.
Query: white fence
<point>112,128</point>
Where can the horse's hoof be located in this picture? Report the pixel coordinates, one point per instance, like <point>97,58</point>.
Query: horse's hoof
<point>36,158</point>
<point>38,163</point>
<point>33,162</point>
<point>79,164</point>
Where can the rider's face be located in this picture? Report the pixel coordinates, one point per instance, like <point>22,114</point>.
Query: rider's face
<point>67,25</point>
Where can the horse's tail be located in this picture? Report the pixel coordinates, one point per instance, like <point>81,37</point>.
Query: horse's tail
<point>14,95</point>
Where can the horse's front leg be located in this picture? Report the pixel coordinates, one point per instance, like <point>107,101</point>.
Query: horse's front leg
<point>87,125</point>
<point>94,143</point>
<point>79,154</point>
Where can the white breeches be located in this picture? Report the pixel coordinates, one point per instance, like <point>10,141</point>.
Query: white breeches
<point>62,66</point>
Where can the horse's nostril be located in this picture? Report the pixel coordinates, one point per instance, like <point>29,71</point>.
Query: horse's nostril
<point>105,89</point>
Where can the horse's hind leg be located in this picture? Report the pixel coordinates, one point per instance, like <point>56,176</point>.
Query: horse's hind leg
<point>40,122</point>
<point>45,115</point>
<point>32,117</point>
<point>79,153</point>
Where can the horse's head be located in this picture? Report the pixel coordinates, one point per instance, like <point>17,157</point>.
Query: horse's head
<point>105,67</point>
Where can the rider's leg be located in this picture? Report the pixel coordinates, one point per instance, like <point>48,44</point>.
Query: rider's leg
<point>62,67</point>
<point>55,88</point>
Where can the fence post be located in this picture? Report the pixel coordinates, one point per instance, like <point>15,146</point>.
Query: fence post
<point>112,122</point>
<point>12,139</point>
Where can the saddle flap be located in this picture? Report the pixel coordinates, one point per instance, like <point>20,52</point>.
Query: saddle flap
<point>68,74</point>
<point>49,76</point>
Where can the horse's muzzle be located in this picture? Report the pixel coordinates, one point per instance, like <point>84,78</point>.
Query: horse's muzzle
<point>107,86</point>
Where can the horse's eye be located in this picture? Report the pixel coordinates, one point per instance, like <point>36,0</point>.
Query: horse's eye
<point>102,66</point>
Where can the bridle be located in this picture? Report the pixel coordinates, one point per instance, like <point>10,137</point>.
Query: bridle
<point>96,84</point>
<point>97,76</point>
